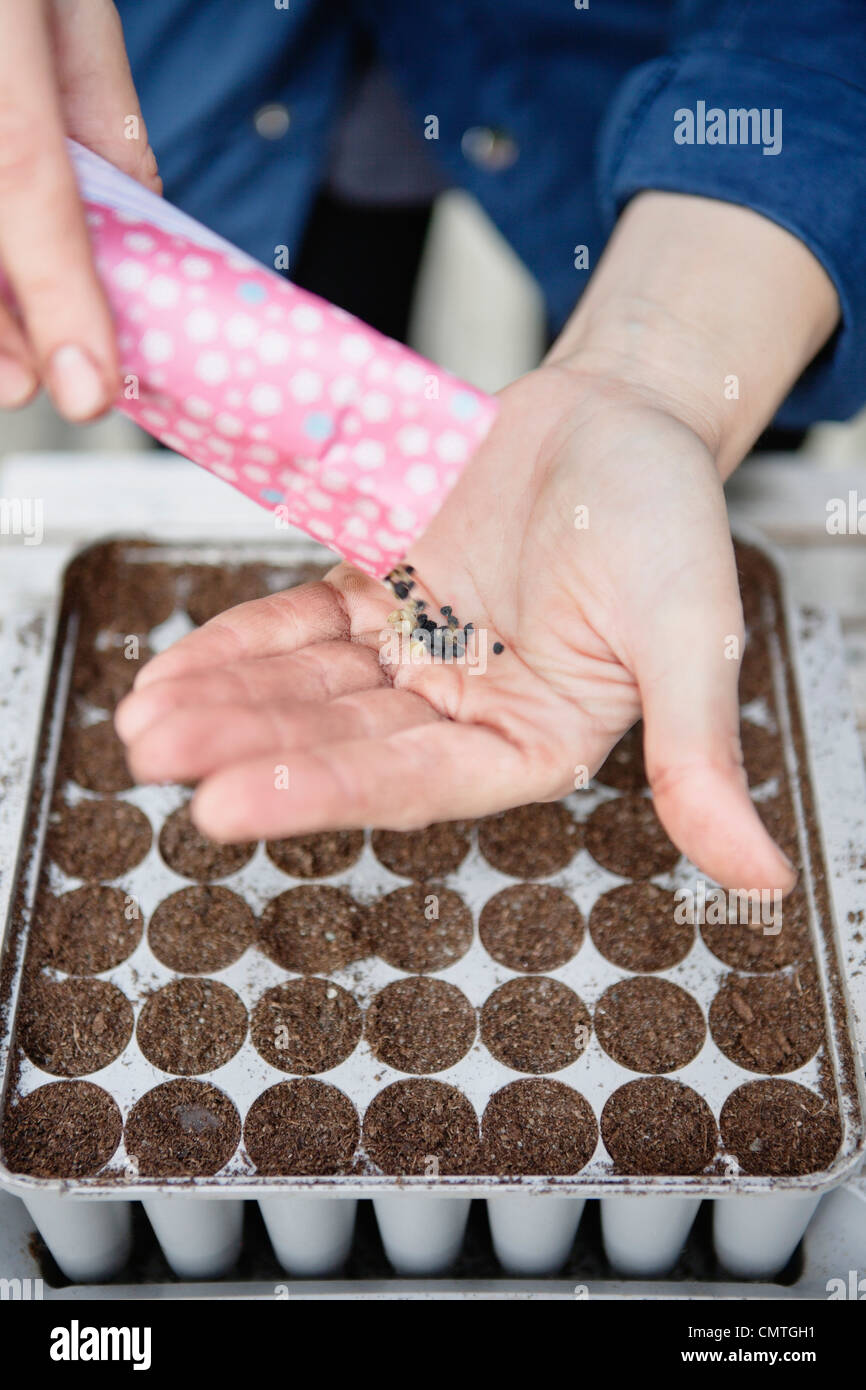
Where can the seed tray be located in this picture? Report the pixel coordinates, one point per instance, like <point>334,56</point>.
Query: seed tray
<point>402,1201</point>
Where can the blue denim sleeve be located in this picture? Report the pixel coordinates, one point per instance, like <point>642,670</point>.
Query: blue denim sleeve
<point>762,103</point>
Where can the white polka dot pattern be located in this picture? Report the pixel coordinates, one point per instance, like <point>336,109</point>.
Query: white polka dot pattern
<point>353,438</point>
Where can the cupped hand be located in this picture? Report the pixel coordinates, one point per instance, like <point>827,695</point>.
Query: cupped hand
<point>589,538</point>
<point>63,71</point>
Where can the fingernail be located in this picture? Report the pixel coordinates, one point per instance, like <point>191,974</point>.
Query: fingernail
<point>17,382</point>
<point>76,383</point>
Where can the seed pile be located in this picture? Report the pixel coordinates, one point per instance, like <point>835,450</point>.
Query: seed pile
<point>444,640</point>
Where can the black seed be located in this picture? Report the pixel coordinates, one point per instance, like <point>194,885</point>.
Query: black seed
<point>401,590</point>
<point>410,569</point>
<point>446,610</point>
<point>497,648</point>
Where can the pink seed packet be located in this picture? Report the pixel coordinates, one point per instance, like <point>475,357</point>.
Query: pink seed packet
<point>302,407</point>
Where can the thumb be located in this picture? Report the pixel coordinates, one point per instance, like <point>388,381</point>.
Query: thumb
<point>687,672</point>
<point>100,104</point>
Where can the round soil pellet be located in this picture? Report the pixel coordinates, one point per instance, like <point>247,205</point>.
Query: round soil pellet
<point>762,753</point>
<point>624,769</point>
<point>191,1026</point>
<point>649,1025</point>
<point>417,930</point>
<point>531,927</point>
<point>91,929</point>
<point>777,813</point>
<point>314,930</point>
<point>73,1027</point>
<point>103,677</point>
<point>538,1127</point>
<point>96,759</point>
<point>199,930</point>
<point>306,1026</point>
<point>67,1129</point>
<point>634,927</point>
<point>130,596</point>
<point>756,673</point>
<point>182,1129</point>
<point>99,839</point>
<point>768,1023</point>
<point>530,841</point>
<point>627,837</point>
<point>190,853</point>
<point>211,589</point>
<point>299,1128</point>
<point>316,856</point>
<point>535,1024</point>
<point>656,1126</point>
<point>779,940</point>
<point>779,1128</point>
<point>421,1127</point>
<point>420,1025</point>
<point>423,854</point>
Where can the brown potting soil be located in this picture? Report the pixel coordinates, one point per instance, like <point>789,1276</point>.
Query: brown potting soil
<point>192,854</point>
<point>183,1129</point>
<point>535,1024</point>
<point>102,676</point>
<point>531,927</point>
<point>191,1026</point>
<point>314,929</point>
<point>626,836</point>
<point>316,856</point>
<point>757,945</point>
<point>649,1025</point>
<point>73,1027</point>
<point>66,1129</point>
<point>211,589</point>
<point>420,1025</point>
<point>635,928</point>
<point>86,931</point>
<point>537,1126</point>
<point>306,1025</point>
<point>779,1127</point>
<point>768,1023</point>
<point>420,1126</point>
<point>762,753</point>
<point>95,758</point>
<point>302,1127</point>
<point>657,1126</point>
<point>420,928</point>
<point>98,839</point>
<point>201,929</point>
<point>530,841</point>
<point>427,854</point>
<point>624,769</point>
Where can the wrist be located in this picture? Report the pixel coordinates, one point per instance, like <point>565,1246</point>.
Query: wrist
<point>707,309</point>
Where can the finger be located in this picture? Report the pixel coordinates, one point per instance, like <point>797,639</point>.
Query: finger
<point>44,247</point>
<point>316,673</point>
<point>688,684</point>
<point>188,744</point>
<point>100,103</point>
<point>442,771</point>
<point>280,623</point>
<point>18,378</point>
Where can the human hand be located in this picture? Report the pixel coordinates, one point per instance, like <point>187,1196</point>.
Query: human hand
<point>63,71</point>
<point>634,610</point>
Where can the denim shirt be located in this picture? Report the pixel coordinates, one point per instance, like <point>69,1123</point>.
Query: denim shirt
<point>552,112</point>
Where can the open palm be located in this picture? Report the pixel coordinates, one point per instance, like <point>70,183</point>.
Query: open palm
<point>589,537</point>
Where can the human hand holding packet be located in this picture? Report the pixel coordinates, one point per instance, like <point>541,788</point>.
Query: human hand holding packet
<point>302,407</point>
